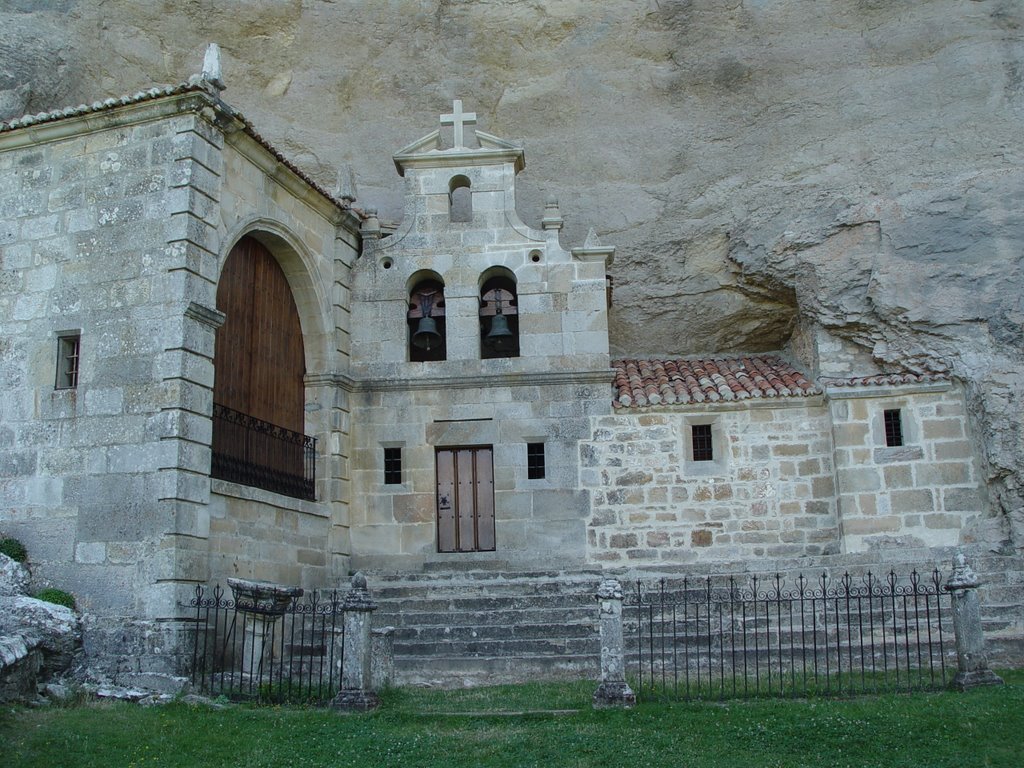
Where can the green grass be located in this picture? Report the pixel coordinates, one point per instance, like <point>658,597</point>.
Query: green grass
<point>415,728</point>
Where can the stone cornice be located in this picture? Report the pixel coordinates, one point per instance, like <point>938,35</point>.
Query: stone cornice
<point>254,150</point>
<point>207,316</point>
<point>885,390</point>
<point>601,377</point>
<point>196,97</point>
<point>144,107</point>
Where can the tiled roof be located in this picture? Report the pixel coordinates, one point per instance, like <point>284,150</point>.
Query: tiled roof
<point>193,85</point>
<point>101,106</point>
<point>883,379</point>
<point>640,383</point>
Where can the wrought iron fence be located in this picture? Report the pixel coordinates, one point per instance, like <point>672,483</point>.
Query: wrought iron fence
<point>253,452</point>
<point>255,650</point>
<point>702,638</point>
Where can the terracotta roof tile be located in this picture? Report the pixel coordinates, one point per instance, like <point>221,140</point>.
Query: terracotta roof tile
<point>641,383</point>
<point>884,379</point>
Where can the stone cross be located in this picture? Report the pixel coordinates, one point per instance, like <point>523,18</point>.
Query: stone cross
<point>458,120</point>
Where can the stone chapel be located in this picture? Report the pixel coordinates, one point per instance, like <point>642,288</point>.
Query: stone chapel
<point>213,366</point>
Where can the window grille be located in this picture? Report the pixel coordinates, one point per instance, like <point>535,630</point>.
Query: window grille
<point>392,466</point>
<point>535,461</point>
<point>68,349</point>
<point>893,427</point>
<point>702,445</point>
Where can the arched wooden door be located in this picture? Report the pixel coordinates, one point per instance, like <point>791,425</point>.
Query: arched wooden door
<point>259,365</point>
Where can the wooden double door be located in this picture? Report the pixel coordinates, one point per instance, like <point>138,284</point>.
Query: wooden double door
<point>465,499</point>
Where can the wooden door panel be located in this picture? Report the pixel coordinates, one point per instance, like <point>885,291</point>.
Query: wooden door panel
<point>446,538</point>
<point>259,361</point>
<point>485,499</point>
<point>465,500</point>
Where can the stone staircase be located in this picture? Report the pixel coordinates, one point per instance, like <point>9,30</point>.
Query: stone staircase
<point>486,627</point>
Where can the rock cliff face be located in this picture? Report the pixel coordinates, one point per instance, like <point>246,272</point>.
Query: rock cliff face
<point>758,163</point>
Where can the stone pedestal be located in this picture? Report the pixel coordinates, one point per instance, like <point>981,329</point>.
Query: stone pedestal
<point>356,693</point>
<point>613,691</point>
<point>972,660</point>
<point>382,658</point>
<point>262,604</point>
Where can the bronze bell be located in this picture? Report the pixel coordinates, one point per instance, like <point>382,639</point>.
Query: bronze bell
<point>426,336</point>
<point>500,336</point>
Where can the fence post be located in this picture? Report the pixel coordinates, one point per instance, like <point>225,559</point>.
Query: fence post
<point>613,691</point>
<point>971,658</point>
<point>356,694</point>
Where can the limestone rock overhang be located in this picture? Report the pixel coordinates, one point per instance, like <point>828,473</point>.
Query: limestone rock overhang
<point>427,153</point>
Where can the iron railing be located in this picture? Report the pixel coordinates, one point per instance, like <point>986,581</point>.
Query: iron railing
<point>253,452</point>
<point>248,650</point>
<point>729,638</point>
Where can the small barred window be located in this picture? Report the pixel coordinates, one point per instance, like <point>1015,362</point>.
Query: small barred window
<point>68,350</point>
<point>702,444</point>
<point>392,466</point>
<point>535,461</point>
<point>893,427</point>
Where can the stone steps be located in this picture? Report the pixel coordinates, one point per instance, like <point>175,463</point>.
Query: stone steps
<point>489,627</point>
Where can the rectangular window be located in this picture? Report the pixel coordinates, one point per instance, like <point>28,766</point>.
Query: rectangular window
<point>68,348</point>
<point>893,427</point>
<point>702,446</point>
<point>392,466</point>
<point>535,461</point>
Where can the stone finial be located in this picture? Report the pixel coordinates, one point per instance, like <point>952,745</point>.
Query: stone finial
<point>345,186</point>
<point>592,241</point>
<point>358,598</point>
<point>963,576</point>
<point>370,228</point>
<point>211,67</point>
<point>552,215</point>
<point>610,589</point>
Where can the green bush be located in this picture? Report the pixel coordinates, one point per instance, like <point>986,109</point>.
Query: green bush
<point>58,596</point>
<point>14,549</point>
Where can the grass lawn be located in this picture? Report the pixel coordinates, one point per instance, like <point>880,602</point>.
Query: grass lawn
<point>496,727</point>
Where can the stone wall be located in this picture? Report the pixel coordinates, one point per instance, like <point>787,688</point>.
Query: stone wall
<point>87,247</point>
<point>545,394</point>
<point>923,493</point>
<point>117,220</point>
<point>768,493</point>
<point>538,522</point>
<point>263,536</point>
<point>253,532</point>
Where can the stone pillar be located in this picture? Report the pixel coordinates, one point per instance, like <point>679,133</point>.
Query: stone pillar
<point>972,661</point>
<point>261,604</point>
<point>613,691</point>
<point>356,694</point>
<point>382,658</point>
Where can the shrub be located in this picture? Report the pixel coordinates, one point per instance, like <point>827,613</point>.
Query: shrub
<point>58,596</point>
<point>14,549</point>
